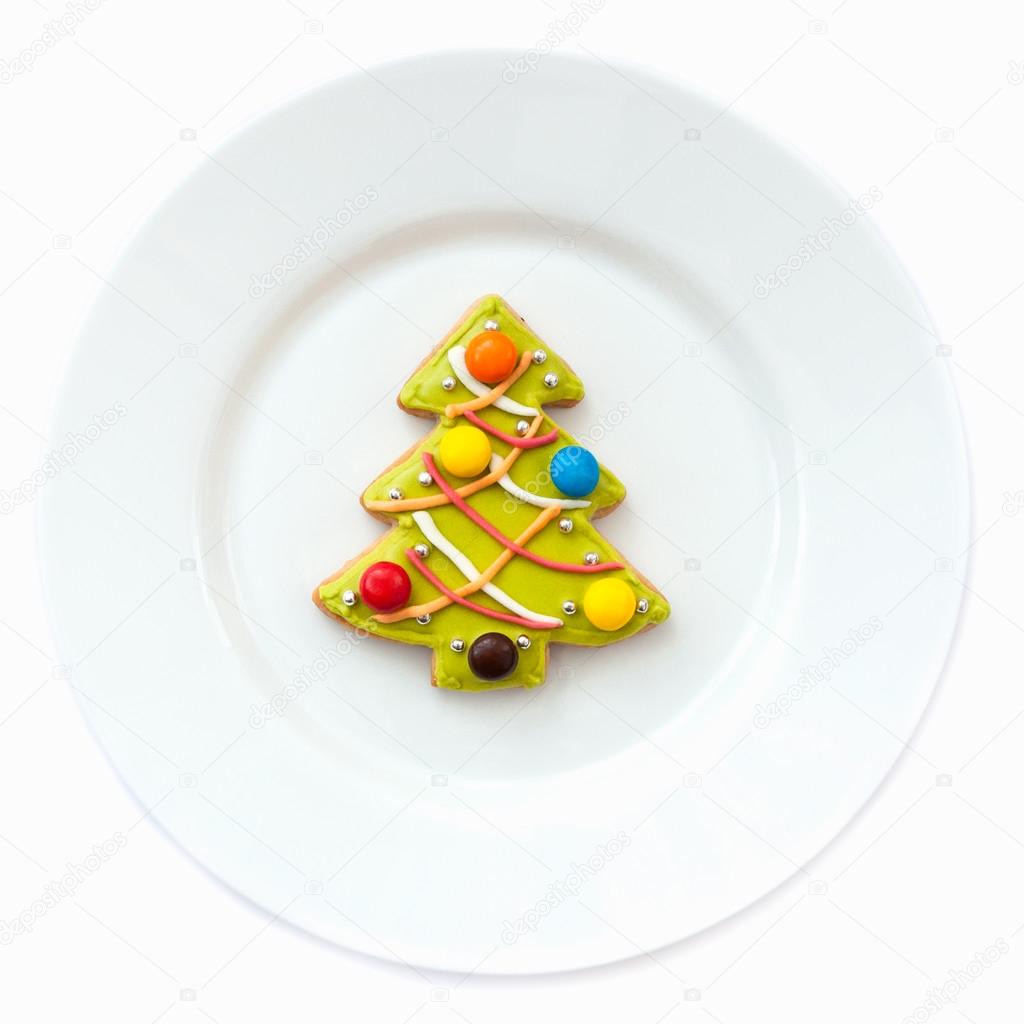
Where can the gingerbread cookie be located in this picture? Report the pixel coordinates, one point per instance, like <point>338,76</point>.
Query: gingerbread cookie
<point>493,554</point>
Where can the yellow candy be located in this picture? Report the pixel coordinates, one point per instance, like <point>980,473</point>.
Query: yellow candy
<point>609,603</point>
<point>465,451</point>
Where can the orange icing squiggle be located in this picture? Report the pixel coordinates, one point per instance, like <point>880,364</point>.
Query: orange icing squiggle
<point>436,500</point>
<point>516,620</point>
<point>457,408</point>
<point>489,527</point>
<point>485,577</point>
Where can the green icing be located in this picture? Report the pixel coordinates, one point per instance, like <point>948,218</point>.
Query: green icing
<point>423,389</point>
<point>541,589</point>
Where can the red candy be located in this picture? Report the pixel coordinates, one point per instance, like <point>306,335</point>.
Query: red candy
<point>385,586</point>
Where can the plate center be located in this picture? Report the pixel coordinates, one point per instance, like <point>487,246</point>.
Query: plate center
<point>663,410</point>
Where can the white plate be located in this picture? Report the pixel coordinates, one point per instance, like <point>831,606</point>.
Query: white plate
<point>795,466</point>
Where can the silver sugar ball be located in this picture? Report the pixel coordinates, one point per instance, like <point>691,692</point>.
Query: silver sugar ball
<point>551,380</point>
<point>349,598</point>
<point>643,605</point>
<point>565,525</point>
<point>448,383</point>
<point>522,427</point>
<point>425,479</point>
<point>458,645</point>
<point>522,641</point>
<point>591,558</point>
<point>423,619</point>
<point>569,607</point>
<point>422,550</point>
<point>490,325</point>
<point>396,494</point>
<point>540,356</point>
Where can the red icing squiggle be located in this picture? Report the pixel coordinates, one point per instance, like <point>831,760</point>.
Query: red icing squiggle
<point>516,442</point>
<point>452,596</point>
<point>457,500</point>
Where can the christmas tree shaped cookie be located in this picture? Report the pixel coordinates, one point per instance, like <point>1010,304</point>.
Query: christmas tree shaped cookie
<point>492,553</point>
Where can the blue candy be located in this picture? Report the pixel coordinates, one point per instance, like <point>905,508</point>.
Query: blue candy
<point>574,471</point>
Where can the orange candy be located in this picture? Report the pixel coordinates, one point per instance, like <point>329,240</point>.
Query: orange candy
<point>491,356</point>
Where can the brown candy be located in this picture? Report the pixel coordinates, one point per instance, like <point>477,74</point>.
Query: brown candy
<point>493,656</point>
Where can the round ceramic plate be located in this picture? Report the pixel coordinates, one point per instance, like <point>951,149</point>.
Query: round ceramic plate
<point>760,374</point>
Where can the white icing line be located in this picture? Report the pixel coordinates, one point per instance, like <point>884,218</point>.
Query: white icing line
<point>426,523</point>
<point>533,499</point>
<point>457,361</point>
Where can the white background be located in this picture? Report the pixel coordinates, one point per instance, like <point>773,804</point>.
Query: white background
<point>919,99</point>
